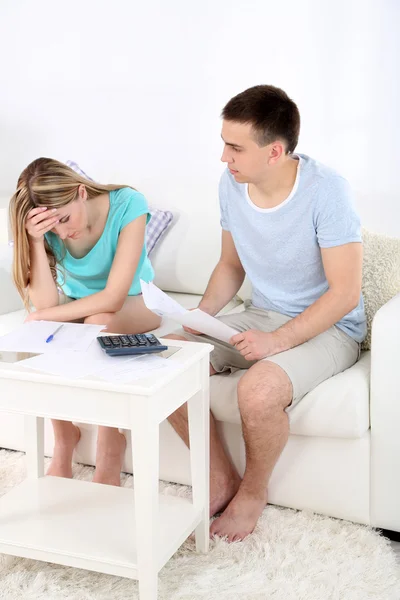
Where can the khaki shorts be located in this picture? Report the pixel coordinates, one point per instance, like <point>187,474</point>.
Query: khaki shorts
<point>306,365</point>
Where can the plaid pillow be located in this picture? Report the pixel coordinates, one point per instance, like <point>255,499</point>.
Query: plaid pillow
<point>158,224</point>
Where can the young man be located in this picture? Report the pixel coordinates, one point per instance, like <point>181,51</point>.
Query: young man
<point>289,225</point>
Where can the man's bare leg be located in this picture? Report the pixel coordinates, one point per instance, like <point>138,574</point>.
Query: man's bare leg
<point>224,479</point>
<point>263,394</point>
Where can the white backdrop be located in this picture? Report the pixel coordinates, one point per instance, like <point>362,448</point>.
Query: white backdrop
<point>132,90</point>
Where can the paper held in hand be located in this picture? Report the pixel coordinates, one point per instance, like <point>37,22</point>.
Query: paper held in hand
<point>161,304</point>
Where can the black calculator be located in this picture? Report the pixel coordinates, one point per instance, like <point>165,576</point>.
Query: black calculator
<point>120,345</point>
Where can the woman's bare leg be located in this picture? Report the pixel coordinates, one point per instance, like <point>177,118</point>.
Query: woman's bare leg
<point>134,317</point>
<point>66,437</point>
<point>111,446</point>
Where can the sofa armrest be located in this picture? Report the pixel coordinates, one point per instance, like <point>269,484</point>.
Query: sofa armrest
<point>10,300</point>
<point>385,417</point>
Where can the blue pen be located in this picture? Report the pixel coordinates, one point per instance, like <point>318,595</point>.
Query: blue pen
<point>53,334</point>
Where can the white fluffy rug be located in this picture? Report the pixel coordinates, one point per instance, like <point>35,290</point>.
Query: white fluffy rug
<point>291,556</point>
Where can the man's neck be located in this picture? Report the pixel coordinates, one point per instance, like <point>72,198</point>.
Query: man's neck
<point>274,190</point>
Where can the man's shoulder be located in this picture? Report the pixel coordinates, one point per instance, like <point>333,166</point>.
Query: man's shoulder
<point>325,180</point>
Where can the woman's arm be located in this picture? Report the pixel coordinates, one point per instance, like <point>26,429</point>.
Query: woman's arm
<point>42,288</point>
<point>112,298</point>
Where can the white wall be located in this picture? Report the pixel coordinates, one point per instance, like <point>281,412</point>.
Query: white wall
<point>132,90</point>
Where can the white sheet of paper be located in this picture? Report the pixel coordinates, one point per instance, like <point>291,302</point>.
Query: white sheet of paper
<point>31,337</point>
<point>138,368</point>
<point>157,301</point>
<point>96,362</point>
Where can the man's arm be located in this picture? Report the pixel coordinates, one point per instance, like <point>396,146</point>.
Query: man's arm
<point>343,270</point>
<point>226,278</point>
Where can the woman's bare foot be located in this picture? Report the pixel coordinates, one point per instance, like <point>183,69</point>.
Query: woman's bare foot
<point>110,455</point>
<point>222,492</point>
<point>61,463</point>
<point>240,517</point>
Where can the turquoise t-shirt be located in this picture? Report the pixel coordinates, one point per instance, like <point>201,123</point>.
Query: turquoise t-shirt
<point>81,277</point>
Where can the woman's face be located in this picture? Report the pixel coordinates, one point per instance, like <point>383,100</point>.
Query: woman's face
<point>73,218</point>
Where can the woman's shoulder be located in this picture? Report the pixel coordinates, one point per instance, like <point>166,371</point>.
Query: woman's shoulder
<point>127,199</point>
<point>128,203</point>
<point>125,195</point>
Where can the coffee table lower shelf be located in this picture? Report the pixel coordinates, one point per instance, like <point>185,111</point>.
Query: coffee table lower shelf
<point>86,525</point>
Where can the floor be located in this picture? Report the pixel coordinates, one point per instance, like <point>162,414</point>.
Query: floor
<point>396,548</point>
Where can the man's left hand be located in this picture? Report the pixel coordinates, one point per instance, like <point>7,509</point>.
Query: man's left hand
<point>255,345</point>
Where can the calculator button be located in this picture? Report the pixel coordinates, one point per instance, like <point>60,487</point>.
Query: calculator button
<point>124,340</point>
<point>107,342</point>
<point>115,341</point>
<point>152,339</point>
<point>132,340</point>
<point>141,339</point>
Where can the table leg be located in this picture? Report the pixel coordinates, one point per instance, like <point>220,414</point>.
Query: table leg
<point>145,458</point>
<point>34,446</point>
<point>199,435</point>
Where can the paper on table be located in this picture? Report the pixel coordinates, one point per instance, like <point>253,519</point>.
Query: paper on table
<point>31,337</point>
<point>138,368</point>
<point>158,302</point>
<point>74,365</point>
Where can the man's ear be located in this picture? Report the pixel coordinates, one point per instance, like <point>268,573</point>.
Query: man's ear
<point>276,151</point>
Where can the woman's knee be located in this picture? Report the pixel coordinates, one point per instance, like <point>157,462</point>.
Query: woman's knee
<point>100,319</point>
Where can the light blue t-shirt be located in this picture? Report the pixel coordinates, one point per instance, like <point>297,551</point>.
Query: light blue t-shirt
<point>280,247</point>
<point>81,277</point>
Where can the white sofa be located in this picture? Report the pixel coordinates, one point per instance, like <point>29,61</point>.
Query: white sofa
<point>343,455</point>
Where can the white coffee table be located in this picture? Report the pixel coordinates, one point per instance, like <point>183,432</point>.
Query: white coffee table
<point>125,532</point>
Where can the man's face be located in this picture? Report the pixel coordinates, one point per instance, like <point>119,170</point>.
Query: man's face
<point>246,160</point>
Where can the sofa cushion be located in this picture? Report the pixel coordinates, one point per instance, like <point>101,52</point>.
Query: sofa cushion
<point>338,407</point>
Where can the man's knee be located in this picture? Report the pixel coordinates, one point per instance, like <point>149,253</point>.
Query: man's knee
<point>264,386</point>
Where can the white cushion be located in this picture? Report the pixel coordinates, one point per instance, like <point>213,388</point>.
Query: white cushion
<point>189,251</point>
<point>338,407</point>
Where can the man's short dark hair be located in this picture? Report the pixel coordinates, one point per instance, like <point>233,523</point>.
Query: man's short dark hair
<point>271,113</point>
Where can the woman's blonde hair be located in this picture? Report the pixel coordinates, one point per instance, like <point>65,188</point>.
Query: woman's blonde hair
<point>45,182</point>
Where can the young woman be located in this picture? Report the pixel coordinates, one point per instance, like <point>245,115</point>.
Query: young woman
<point>88,241</point>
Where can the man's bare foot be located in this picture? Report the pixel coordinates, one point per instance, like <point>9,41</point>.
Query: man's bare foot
<point>109,461</point>
<point>240,517</point>
<point>61,463</point>
<point>222,492</point>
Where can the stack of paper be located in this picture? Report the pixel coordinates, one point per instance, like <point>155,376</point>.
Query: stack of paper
<point>95,362</point>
